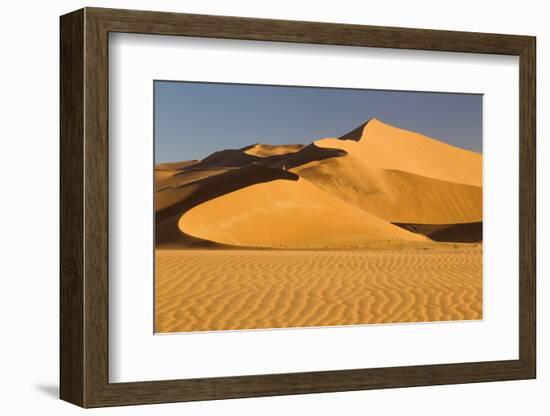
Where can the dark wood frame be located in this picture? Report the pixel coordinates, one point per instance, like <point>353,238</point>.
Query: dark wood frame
<point>84,207</point>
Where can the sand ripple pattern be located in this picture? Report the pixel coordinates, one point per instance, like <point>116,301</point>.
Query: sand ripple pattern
<point>202,290</point>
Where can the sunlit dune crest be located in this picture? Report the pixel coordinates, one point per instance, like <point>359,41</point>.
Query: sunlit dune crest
<point>393,148</point>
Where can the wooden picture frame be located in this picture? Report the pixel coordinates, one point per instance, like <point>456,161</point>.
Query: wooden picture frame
<point>84,207</point>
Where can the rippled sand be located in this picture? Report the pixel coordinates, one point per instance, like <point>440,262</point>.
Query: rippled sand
<point>203,290</point>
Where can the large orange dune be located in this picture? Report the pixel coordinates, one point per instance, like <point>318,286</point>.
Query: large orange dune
<point>287,214</point>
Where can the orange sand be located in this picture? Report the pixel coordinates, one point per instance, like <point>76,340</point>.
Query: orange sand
<point>203,290</point>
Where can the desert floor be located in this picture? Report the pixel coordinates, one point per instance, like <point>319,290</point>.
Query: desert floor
<point>204,290</point>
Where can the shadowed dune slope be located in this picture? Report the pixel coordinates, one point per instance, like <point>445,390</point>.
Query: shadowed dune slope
<point>458,233</point>
<point>278,157</point>
<point>176,165</point>
<point>166,180</point>
<point>283,213</point>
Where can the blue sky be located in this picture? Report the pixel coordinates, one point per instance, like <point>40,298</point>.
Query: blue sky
<point>193,120</point>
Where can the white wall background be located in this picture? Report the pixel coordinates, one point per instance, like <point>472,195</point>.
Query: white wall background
<point>29,208</point>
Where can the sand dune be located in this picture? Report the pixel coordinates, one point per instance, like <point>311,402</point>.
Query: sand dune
<point>171,180</point>
<point>268,150</point>
<point>287,214</point>
<point>171,204</point>
<point>176,165</point>
<point>389,147</point>
<point>277,156</point>
<point>260,154</point>
<point>389,174</point>
<point>204,290</point>
<point>394,195</point>
<point>400,176</point>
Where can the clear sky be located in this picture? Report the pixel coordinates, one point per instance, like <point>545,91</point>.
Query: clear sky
<point>193,119</point>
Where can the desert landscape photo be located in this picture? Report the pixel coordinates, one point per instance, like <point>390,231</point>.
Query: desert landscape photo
<point>374,222</point>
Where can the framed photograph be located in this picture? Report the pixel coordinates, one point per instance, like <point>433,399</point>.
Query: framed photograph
<point>254,207</point>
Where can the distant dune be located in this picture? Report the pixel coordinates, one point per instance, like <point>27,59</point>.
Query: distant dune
<point>268,150</point>
<point>176,165</point>
<point>333,193</point>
